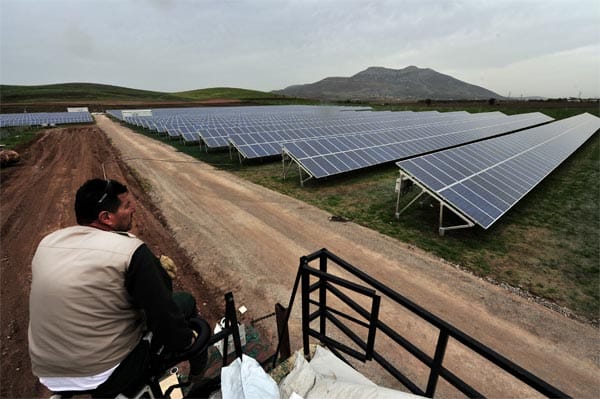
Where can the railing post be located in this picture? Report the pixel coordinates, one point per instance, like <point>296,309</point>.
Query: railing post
<point>323,293</point>
<point>289,308</point>
<point>282,331</point>
<point>305,307</point>
<point>231,325</point>
<point>373,327</point>
<point>436,367</point>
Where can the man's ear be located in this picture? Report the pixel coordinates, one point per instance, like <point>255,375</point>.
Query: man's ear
<point>104,217</point>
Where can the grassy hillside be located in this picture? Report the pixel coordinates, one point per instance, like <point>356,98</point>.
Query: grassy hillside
<point>98,92</point>
<point>225,92</point>
<point>78,91</point>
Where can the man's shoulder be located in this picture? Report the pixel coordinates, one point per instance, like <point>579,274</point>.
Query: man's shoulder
<point>124,233</point>
<point>90,234</point>
<point>66,231</point>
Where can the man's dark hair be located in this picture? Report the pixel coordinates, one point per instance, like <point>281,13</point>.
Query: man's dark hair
<point>95,196</point>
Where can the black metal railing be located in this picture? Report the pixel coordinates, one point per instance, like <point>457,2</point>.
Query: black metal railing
<point>231,328</point>
<point>326,283</point>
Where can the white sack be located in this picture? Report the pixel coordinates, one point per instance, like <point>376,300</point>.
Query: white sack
<point>300,380</point>
<point>245,379</point>
<point>327,376</point>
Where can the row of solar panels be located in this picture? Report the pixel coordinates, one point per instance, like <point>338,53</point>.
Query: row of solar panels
<point>293,123</point>
<point>301,129</point>
<point>207,124</point>
<point>334,155</point>
<point>483,180</point>
<point>44,118</point>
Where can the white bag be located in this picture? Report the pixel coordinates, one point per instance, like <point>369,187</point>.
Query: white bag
<point>245,379</point>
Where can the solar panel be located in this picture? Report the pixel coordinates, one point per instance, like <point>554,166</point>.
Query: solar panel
<point>484,180</point>
<point>189,135</point>
<point>330,156</point>
<point>44,118</point>
<point>173,131</point>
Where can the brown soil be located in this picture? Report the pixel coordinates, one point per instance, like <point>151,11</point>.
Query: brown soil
<point>227,234</point>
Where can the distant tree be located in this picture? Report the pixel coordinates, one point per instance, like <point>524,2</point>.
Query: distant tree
<point>428,102</point>
<point>492,101</point>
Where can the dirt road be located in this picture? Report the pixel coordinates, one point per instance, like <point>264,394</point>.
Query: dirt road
<point>243,238</point>
<point>247,239</point>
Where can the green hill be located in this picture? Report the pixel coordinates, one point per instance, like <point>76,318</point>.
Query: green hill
<point>90,92</point>
<point>226,92</point>
<point>77,91</point>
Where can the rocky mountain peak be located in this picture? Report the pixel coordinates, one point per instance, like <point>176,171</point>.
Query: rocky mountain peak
<point>376,82</point>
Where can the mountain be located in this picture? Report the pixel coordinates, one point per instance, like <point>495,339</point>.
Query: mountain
<point>378,83</point>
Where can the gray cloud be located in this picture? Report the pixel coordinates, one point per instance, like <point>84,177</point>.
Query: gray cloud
<point>174,45</point>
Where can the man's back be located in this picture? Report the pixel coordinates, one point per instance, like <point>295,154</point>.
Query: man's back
<point>82,320</point>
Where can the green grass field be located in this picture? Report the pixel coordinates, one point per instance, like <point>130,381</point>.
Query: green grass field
<point>10,137</point>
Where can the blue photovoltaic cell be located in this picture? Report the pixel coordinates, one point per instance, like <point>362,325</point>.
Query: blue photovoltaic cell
<point>189,135</point>
<point>495,174</point>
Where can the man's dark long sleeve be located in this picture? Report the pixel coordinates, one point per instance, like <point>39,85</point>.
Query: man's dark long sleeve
<point>151,290</point>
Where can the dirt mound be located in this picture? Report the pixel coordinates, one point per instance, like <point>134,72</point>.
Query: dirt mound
<point>8,157</point>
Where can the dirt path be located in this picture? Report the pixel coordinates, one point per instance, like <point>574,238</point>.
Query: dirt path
<point>248,239</point>
<point>230,235</point>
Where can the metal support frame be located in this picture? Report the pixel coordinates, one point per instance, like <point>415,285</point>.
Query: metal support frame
<point>203,145</point>
<point>441,229</point>
<point>232,147</point>
<point>399,212</point>
<point>286,156</point>
<point>327,283</point>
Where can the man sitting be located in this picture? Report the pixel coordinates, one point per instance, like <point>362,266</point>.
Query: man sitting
<point>96,291</point>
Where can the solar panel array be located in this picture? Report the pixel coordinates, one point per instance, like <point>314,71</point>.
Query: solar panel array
<point>484,180</point>
<point>44,118</point>
<point>302,120</point>
<point>271,140</point>
<point>328,140</point>
<point>333,155</point>
<point>212,126</point>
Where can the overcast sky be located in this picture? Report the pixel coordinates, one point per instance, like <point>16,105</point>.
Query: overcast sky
<point>525,47</point>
